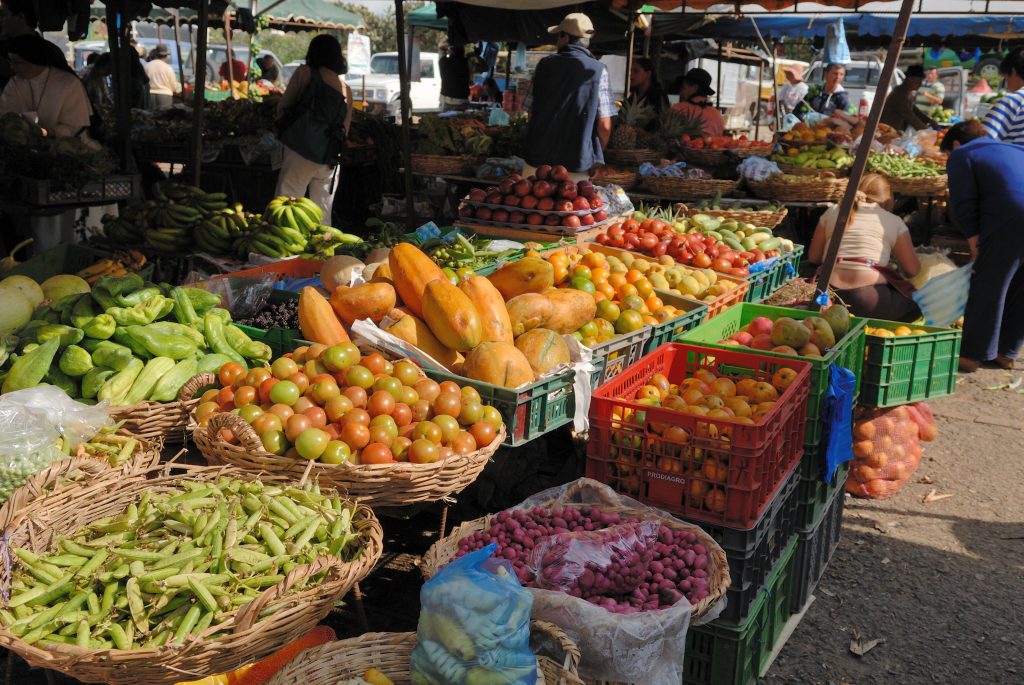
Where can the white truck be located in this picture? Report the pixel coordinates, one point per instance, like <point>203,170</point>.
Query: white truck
<point>380,89</point>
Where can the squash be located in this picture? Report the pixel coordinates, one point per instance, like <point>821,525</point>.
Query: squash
<point>494,321</point>
<point>528,275</point>
<point>528,311</point>
<point>413,331</point>
<point>572,309</point>
<point>498,363</point>
<point>317,320</point>
<point>337,271</point>
<point>412,270</point>
<point>544,349</point>
<point>451,315</point>
<point>367,301</point>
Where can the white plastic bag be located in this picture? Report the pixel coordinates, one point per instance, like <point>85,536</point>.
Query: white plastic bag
<point>944,298</point>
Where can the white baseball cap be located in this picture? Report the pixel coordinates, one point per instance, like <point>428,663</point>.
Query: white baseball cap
<point>575,24</point>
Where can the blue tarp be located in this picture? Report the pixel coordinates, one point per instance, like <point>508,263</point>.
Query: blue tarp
<point>863,25</point>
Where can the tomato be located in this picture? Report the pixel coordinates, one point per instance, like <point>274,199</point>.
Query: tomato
<point>648,241</point>
<point>376,453</point>
<point>295,424</point>
<point>311,443</point>
<point>314,368</point>
<point>209,396</point>
<point>423,452</point>
<point>408,395</point>
<point>336,452</point>
<point>301,380</point>
<point>381,402</point>
<point>359,376</point>
<point>267,422</point>
<point>483,432</point>
<point>283,368</point>
<point>407,372</point>
<point>257,376</point>
<point>471,412</point>
<point>340,357</point>
<point>249,412</point>
<point>449,426</point>
<point>360,416</point>
<point>493,417</point>
<point>226,396</point>
<point>386,422</point>
<point>244,395</point>
<point>464,443</point>
<point>400,449</point>
<point>402,414</point>
<point>264,389</point>
<point>229,372</point>
<point>376,363</point>
<point>282,410</point>
<point>449,403</point>
<point>660,249</point>
<point>205,410</point>
<point>336,407</point>
<point>274,441</point>
<point>382,435</point>
<point>388,384</point>
<point>356,395</point>
<point>302,404</point>
<point>450,386</point>
<point>317,415</point>
<point>427,430</point>
<point>356,435</point>
<point>324,390</point>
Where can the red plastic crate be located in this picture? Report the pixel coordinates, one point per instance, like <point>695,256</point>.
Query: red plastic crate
<point>635,458</point>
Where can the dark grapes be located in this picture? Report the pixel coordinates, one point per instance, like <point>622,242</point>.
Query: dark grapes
<point>278,314</point>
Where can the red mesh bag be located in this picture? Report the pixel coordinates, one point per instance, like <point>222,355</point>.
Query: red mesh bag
<point>887,449</point>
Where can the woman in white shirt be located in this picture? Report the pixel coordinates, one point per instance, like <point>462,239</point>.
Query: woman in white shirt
<point>793,92</point>
<point>44,89</point>
<point>163,82</point>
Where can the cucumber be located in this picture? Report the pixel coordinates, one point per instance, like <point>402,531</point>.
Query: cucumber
<point>771,244</point>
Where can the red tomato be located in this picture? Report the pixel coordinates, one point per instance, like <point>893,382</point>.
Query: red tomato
<point>229,372</point>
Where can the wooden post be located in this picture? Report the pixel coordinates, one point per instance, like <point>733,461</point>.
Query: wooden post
<point>405,109</point>
<point>718,83</point>
<point>200,90</point>
<point>630,43</point>
<point>757,101</point>
<point>121,69</point>
<point>230,53</point>
<point>899,37</point>
<point>177,46</point>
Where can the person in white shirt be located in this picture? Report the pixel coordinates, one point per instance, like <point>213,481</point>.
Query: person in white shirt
<point>793,92</point>
<point>163,82</point>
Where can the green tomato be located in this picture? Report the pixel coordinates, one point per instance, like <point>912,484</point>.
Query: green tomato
<point>472,411</point>
<point>340,357</point>
<point>249,412</point>
<point>311,443</point>
<point>274,442</point>
<point>359,376</point>
<point>449,427</point>
<point>385,422</point>
<point>284,392</point>
<point>391,385</point>
<point>336,452</point>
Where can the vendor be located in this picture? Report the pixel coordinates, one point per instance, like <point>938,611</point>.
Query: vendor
<point>163,80</point>
<point>1005,121</point>
<point>833,97</point>
<point>931,93</point>
<point>238,71</point>
<point>899,111</point>
<point>268,70</point>
<point>44,89</point>
<point>794,90</point>
<point>694,91</point>
<point>986,190</point>
<point>645,88</point>
<point>862,277</point>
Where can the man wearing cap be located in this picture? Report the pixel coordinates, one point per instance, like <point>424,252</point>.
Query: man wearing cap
<point>570,103</point>
<point>694,91</point>
<point>900,112</point>
<point>794,90</point>
<point>163,82</point>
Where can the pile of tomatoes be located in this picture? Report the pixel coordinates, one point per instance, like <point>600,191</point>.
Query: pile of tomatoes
<point>725,143</point>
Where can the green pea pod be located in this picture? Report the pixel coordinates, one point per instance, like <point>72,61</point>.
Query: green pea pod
<point>144,384</point>
<point>65,335</point>
<point>56,377</point>
<point>202,299</point>
<point>93,380</point>
<point>122,338</point>
<point>172,328</point>
<point>184,311</point>
<point>75,361</point>
<point>160,344</point>
<point>168,387</point>
<point>246,346</point>
<point>118,385</point>
<point>30,368</point>
<point>213,326</point>
<point>138,297</point>
<point>111,355</point>
<point>156,307</point>
<point>82,313</point>
<point>212,363</point>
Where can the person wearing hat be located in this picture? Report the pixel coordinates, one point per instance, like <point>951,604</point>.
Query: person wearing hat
<point>900,109</point>
<point>694,90</point>
<point>570,103</point>
<point>794,90</point>
<point>163,82</point>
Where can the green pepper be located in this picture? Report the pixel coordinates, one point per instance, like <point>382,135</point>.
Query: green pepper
<point>137,297</point>
<point>212,363</point>
<point>94,380</point>
<point>168,387</point>
<point>82,313</point>
<point>111,355</point>
<point>246,346</point>
<point>75,361</point>
<point>172,328</point>
<point>144,384</point>
<point>46,314</point>
<point>184,312</point>
<point>114,286</point>
<point>100,327</point>
<point>121,337</point>
<point>148,311</point>
<point>222,314</point>
<point>65,335</point>
<point>213,326</point>
<point>202,299</point>
<point>8,344</point>
<point>160,344</point>
<point>57,378</point>
<point>118,385</point>
<point>30,368</point>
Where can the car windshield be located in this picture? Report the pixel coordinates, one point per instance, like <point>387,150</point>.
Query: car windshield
<point>384,64</point>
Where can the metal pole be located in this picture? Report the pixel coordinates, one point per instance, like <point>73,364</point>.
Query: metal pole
<point>405,107</point>
<point>631,34</point>
<point>718,85</point>
<point>757,102</point>
<point>230,52</point>
<point>899,37</point>
<point>122,76</point>
<point>177,46</point>
<point>508,68</point>
<point>200,90</point>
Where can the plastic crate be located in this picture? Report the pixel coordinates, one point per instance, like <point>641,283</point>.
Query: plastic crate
<point>794,258</point>
<point>635,459</point>
<point>910,368</point>
<point>281,340</point>
<point>848,352</point>
<point>68,258</point>
<point>620,353</point>
<point>719,654</point>
<point>285,268</point>
<point>752,553</point>
<point>108,189</point>
<point>815,548</point>
<point>813,495</point>
<point>764,284</point>
<point>673,328</point>
<point>531,411</point>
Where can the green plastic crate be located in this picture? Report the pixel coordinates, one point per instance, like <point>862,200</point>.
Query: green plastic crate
<point>910,368</point>
<point>670,330</point>
<point>281,340</point>
<point>794,258</point>
<point>68,258</point>
<point>848,352</point>
<point>813,495</point>
<point>763,284</point>
<point>735,655</point>
<point>620,353</point>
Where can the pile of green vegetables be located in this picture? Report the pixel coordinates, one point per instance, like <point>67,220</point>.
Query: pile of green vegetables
<point>175,563</point>
<point>464,253</point>
<point>125,342</point>
<point>901,166</point>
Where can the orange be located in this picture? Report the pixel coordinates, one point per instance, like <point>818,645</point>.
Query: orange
<point>626,290</point>
<point>594,260</point>
<point>629,321</point>
<point>644,287</point>
<point>650,320</point>
<point>599,296</point>
<point>556,258</point>
<point>617,280</point>
<point>653,302</point>
<point>581,271</point>
<point>632,276</point>
<point>662,315</point>
<point>598,274</point>
<point>606,289</point>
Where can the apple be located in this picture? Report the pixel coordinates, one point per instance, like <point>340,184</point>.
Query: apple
<point>552,220</point>
<point>516,217</point>
<point>493,198</point>
<point>760,325</point>
<point>742,337</point>
<point>529,202</point>
<point>587,219</point>
<point>784,349</point>
<point>483,213</point>
<point>516,178</point>
<point>500,215</point>
<point>762,341</point>
<point>600,215</point>
<point>571,221</point>
<point>564,205</point>
<point>466,212</point>
<point>546,204</point>
<point>559,173</point>
<point>511,200</point>
<point>523,188</point>
<point>567,189</point>
<point>535,219</point>
<point>544,172</point>
<point>492,189</point>
<point>580,203</point>
<point>531,178</point>
<point>543,189</point>
<point>586,189</point>
<point>478,195</point>
<point>596,201</point>
<point>506,186</point>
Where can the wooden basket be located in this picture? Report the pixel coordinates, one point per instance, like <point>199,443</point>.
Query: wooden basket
<point>673,187</point>
<point>626,179</point>
<point>378,485</point>
<point>441,164</point>
<point>445,549</point>
<point>817,173</point>
<point>799,189</point>
<point>743,153</point>
<point>919,187</point>
<point>768,219</point>
<point>47,507</point>
<point>705,156</point>
<point>165,420</point>
<point>391,652</point>
<point>630,157</point>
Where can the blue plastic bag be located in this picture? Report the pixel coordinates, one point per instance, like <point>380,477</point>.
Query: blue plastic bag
<point>474,625</point>
<point>837,417</point>
<point>836,49</point>
<point>944,298</point>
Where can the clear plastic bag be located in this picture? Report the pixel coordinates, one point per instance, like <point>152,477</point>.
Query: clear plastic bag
<point>474,625</point>
<point>243,296</point>
<point>594,563</point>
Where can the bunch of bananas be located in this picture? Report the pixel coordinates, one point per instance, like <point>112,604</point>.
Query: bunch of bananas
<point>292,226</point>
<point>121,264</point>
<point>129,228</point>
<point>217,232</point>
<point>175,211</point>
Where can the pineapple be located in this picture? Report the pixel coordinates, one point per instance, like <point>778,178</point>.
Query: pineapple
<point>673,125</point>
<point>629,125</point>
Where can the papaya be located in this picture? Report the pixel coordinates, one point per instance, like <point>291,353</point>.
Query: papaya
<point>498,363</point>
<point>572,309</point>
<point>413,331</point>
<point>528,311</point>
<point>317,320</point>
<point>411,271</point>
<point>382,274</point>
<point>494,321</point>
<point>367,301</point>
<point>451,315</point>
<point>544,349</point>
<point>528,275</point>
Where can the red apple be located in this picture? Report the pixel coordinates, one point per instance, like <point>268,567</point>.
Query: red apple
<point>543,189</point>
<point>493,198</point>
<point>760,325</point>
<point>762,342</point>
<point>478,195</point>
<point>552,220</point>
<point>559,173</point>
<point>499,215</point>
<point>529,202</point>
<point>742,337</point>
<point>506,186</point>
<point>587,220</point>
<point>523,188</point>
<point>567,189</point>
<point>531,179</point>
<point>599,215</point>
<point>483,213</point>
<point>564,205</point>
<point>571,221</point>
<point>511,200</point>
<point>545,204</point>
<point>492,189</point>
<point>516,178</point>
<point>586,189</point>
<point>516,217</point>
<point>466,212</point>
<point>535,219</point>
<point>596,201</point>
<point>580,203</point>
<point>544,172</point>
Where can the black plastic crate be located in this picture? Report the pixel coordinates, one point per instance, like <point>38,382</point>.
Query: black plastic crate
<point>814,550</point>
<point>813,495</point>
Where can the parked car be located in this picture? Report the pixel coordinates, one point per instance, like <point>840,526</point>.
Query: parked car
<point>380,89</point>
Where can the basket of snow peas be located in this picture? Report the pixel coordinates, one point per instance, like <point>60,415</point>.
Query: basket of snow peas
<point>910,176</point>
<point>156,574</point>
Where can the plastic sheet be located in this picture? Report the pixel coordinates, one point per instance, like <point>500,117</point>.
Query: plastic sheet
<point>243,296</point>
<point>943,299</point>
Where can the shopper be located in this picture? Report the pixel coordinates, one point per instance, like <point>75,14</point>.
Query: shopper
<point>94,77</point>
<point>832,97</point>
<point>899,111</point>
<point>694,91</point>
<point>645,88</point>
<point>1005,121</point>
<point>163,81</point>
<point>862,276</point>
<point>570,103</point>
<point>454,68</point>
<point>932,92</point>
<point>268,70</point>
<point>986,194</point>
<point>793,91</point>
<point>238,71</point>
<point>44,89</point>
<point>315,115</point>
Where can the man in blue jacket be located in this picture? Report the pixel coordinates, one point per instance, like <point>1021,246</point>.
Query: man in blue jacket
<point>571,104</point>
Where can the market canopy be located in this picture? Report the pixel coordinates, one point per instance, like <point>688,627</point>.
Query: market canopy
<point>311,14</point>
<point>866,25</point>
<point>921,7</point>
<point>426,17</point>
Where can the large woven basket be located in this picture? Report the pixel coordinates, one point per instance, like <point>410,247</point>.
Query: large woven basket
<point>378,485</point>
<point>49,506</point>
<point>445,549</point>
<point>743,153</point>
<point>817,173</point>
<point>673,187</point>
<point>705,156</point>
<point>768,219</point>
<point>167,421</point>
<point>929,186</point>
<point>799,188</point>
<point>390,653</point>
<point>441,164</point>
<point>624,178</point>
<point>630,157</point>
